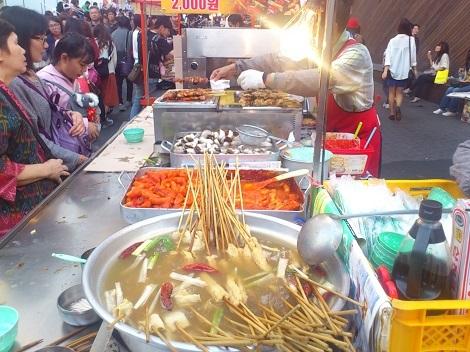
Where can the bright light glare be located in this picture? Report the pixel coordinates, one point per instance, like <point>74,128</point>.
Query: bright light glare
<point>297,42</point>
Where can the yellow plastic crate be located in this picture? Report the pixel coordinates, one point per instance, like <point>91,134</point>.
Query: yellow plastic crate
<point>429,326</point>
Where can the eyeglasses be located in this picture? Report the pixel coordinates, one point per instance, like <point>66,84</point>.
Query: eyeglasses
<point>40,37</point>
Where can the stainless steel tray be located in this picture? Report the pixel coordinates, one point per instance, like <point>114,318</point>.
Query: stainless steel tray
<point>210,103</point>
<point>133,215</point>
<point>237,105</point>
<point>191,160</point>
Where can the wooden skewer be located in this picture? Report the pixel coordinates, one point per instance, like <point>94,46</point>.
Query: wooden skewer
<point>192,339</point>
<point>115,321</point>
<point>30,345</point>
<point>166,341</point>
<point>81,340</point>
<point>67,337</point>
<point>279,322</point>
<point>346,298</point>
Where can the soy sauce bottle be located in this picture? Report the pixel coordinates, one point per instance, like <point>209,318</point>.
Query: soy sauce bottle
<point>422,267</point>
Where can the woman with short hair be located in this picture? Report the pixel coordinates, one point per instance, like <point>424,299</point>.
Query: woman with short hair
<point>28,173</point>
<point>30,28</point>
<point>400,58</point>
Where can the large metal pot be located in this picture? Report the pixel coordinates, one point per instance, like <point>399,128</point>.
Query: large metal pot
<point>98,264</point>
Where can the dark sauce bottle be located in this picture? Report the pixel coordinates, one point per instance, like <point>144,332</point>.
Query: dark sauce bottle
<point>421,270</point>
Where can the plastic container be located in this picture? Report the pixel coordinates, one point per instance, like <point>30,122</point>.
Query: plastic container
<point>134,134</point>
<point>8,327</point>
<point>414,324</point>
<point>351,161</point>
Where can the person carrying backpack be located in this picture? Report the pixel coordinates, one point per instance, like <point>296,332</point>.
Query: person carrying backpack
<point>122,39</point>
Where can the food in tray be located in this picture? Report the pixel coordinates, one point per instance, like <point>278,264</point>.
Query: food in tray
<point>168,189</point>
<point>193,80</point>
<point>213,282</point>
<point>266,98</point>
<point>186,95</point>
<point>158,189</point>
<point>218,142</point>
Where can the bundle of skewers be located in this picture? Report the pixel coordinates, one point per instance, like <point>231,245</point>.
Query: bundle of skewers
<point>211,224</point>
<point>309,325</point>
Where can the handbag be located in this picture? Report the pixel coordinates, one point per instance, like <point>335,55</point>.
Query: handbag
<point>411,72</point>
<point>61,123</point>
<point>135,75</point>
<point>441,77</point>
<point>125,62</point>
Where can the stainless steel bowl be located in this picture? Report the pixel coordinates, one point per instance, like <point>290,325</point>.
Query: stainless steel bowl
<point>55,349</point>
<point>69,296</point>
<point>106,254</point>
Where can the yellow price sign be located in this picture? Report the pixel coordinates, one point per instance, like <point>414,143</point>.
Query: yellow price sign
<point>197,6</point>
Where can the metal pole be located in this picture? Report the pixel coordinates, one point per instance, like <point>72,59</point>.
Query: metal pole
<point>145,99</point>
<point>326,57</point>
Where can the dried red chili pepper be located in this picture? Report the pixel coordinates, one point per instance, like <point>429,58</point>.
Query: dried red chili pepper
<point>199,267</point>
<point>165,295</point>
<point>126,253</point>
<point>307,288</point>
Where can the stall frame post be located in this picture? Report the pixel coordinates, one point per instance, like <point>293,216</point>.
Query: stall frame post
<point>326,58</point>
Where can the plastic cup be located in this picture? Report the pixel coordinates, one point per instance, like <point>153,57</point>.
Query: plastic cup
<point>442,196</point>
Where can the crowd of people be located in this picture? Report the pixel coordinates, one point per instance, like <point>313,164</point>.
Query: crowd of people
<point>61,75</point>
<point>400,75</point>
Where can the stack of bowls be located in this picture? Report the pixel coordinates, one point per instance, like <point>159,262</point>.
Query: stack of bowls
<point>386,249</point>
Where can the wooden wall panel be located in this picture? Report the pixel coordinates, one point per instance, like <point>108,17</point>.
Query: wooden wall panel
<point>447,20</point>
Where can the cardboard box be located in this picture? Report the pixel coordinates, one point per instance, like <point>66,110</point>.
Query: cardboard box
<point>460,250</point>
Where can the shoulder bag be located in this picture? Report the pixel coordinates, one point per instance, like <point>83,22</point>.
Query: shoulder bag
<point>411,72</point>
<point>125,62</point>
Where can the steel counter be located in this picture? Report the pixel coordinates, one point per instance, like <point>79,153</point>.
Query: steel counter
<point>78,218</point>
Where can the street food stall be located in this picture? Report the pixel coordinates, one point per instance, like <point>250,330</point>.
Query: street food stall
<point>197,248</point>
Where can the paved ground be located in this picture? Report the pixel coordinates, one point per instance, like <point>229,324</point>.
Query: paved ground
<point>420,146</point>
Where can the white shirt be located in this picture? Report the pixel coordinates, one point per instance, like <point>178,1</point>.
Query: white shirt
<point>397,56</point>
<point>135,45</point>
<point>444,63</point>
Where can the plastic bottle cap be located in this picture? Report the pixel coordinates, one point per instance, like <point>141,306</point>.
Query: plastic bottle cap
<point>430,210</point>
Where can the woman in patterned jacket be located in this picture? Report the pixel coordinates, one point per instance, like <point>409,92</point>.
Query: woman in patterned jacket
<point>27,173</point>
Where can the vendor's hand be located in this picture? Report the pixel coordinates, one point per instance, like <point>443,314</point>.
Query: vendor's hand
<point>226,72</point>
<point>78,127</point>
<point>251,79</point>
<point>54,169</point>
<point>384,75</point>
<point>429,55</point>
<point>93,131</point>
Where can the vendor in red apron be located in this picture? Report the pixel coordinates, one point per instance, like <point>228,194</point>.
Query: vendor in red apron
<point>351,93</point>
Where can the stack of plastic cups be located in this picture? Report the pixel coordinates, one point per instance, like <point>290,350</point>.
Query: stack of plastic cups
<point>386,249</point>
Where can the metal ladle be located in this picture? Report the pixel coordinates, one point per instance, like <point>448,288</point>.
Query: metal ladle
<point>321,235</point>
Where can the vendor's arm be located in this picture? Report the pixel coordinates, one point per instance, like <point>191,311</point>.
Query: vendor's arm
<point>269,63</point>
<point>460,168</point>
<point>266,63</point>
<point>304,82</point>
